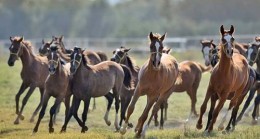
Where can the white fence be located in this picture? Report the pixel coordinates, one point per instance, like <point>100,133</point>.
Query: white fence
<point>137,45</point>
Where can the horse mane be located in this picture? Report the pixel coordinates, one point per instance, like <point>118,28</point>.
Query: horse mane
<point>131,63</point>
<point>26,43</point>
<point>85,62</point>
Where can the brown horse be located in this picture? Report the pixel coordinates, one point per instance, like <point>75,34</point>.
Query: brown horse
<point>210,52</point>
<point>34,72</point>
<point>91,57</point>
<point>189,79</point>
<point>95,81</point>
<point>56,85</point>
<point>155,80</point>
<point>229,80</point>
<point>121,56</point>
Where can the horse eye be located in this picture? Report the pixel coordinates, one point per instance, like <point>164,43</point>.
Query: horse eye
<point>223,40</point>
<point>232,39</point>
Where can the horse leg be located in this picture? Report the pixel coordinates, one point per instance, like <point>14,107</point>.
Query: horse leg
<point>255,118</point>
<point>193,102</point>
<point>72,111</point>
<point>247,103</point>
<point>162,118</point>
<point>128,99</point>
<point>156,122</point>
<point>139,127</point>
<point>117,103</point>
<point>25,99</point>
<point>109,98</point>
<point>55,114</point>
<point>52,112</point>
<point>45,100</point>
<point>39,105</point>
<point>84,115</point>
<point>221,102</point>
<point>203,109</point>
<point>123,107</point>
<point>165,111</point>
<point>131,108</point>
<point>212,106</point>
<point>94,104</point>
<point>23,87</point>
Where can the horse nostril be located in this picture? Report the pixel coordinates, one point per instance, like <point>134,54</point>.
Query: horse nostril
<point>112,59</point>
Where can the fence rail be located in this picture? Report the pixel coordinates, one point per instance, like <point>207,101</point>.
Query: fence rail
<point>137,45</point>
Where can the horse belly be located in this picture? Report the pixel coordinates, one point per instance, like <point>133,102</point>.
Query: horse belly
<point>102,87</point>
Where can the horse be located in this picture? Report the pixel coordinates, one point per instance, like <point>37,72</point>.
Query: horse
<point>91,57</point>
<point>229,80</point>
<point>34,72</point>
<point>121,56</point>
<point>190,76</point>
<point>95,81</point>
<point>57,85</point>
<point>156,79</point>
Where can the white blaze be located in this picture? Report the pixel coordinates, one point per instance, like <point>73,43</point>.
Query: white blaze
<point>228,38</point>
<point>74,58</point>
<point>206,53</point>
<point>157,45</point>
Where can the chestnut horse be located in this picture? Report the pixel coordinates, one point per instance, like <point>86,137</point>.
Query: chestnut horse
<point>156,79</point>
<point>91,57</point>
<point>34,72</point>
<point>229,79</point>
<point>189,79</point>
<point>56,85</point>
<point>95,81</point>
<point>121,56</point>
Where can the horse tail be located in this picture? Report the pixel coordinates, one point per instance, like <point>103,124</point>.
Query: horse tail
<point>203,68</point>
<point>128,77</point>
<point>102,56</point>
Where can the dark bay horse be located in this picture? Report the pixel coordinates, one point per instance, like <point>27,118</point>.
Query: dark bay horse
<point>95,81</point>
<point>34,72</point>
<point>229,80</point>
<point>121,56</point>
<point>156,79</point>
<point>56,85</point>
<point>189,78</point>
<point>91,57</point>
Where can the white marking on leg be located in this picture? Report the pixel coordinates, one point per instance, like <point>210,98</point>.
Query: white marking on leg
<point>221,125</point>
<point>144,130</point>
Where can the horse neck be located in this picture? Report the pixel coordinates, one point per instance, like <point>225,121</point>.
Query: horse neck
<point>27,57</point>
<point>82,72</point>
<point>224,62</point>
<point>60,70</point>
<point>64,56</point>
<point>258,65</point>
<point>63,49</point>
<point>127,62</point>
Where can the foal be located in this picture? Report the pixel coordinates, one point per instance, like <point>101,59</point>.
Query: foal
<point>189,78</point>
<point>121,56</point>
<point>229,79</point>
<point>95,81</point>
<point>56,85</point>
<point>34,72</point>
<point>155,80</point>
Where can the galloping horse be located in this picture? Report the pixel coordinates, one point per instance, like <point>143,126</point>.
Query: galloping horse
<point>34,72</point>
<point>229,80</point>
<point>95,81</point>
<point>56,85</point>
<point>121,56</point>
<point>156,79</point>
<point>91,57</point>
<point>189,79</point>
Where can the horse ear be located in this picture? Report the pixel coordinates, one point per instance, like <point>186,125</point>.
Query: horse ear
<point>51,41</point>
<point>163,36</point>
<point>61,37</point>
<point>114,52</point>
<point>151,36</point>
<point>11,39</point>
<point>201,41</point>
<point>168,50</point>
<point>53,37</point>
<point>127,49</point>
<point>211,41</point>
<point>214,45</point>
<point>222,31</point>
<point>232,29</point>
<point>43,41</point>
<point>21,39</point>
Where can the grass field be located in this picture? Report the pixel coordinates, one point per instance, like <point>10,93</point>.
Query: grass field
<point>179,108</point>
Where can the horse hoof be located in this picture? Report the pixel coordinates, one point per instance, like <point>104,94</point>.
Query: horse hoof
<point>84,129</point>
<point>108,123</point>
<point>254,122</point>
<point>21,117</point>
<point>130,125</point>
<point>16,122</point>
<point>35,130</point>
<point>137,135</point>
<point>199,126</point>
<point>122,130</point>
<point>51,130</point>
<point>220,128</point>
<point>206,133</point>
<point>63,130</point>
<point>156,123</point>
<point>161,127</point>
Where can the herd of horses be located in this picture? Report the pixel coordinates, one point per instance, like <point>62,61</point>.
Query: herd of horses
<point>62,73</point>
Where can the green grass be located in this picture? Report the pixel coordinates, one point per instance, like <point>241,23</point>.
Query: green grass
<point>178,111</point>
